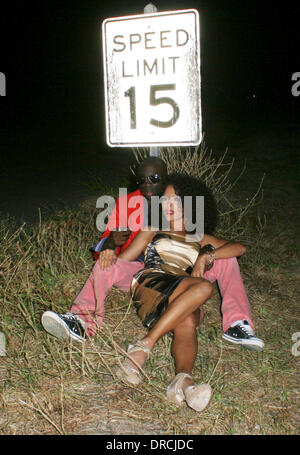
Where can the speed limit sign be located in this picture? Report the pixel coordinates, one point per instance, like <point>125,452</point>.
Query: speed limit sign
<point>152,79</point>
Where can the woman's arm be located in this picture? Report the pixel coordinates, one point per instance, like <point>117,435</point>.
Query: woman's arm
<point>224,249</point>
<point>137,246</point>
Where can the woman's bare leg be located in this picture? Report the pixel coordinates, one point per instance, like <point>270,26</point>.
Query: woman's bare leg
<point>185,345</point>
<point>184,350</point>
<point>180,307</point>
<point>181,316</point>
<point>186,299</point>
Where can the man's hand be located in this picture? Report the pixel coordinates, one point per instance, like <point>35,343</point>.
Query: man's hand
<point>106,259</point>
<point>119,238</point>
<point>116,238</point>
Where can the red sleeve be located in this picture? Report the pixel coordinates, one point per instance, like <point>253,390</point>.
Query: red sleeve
<point>111,224</point>
<point>119,218</point>
<point>113,221</point>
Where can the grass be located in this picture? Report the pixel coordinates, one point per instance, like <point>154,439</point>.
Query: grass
<point>50,387</point>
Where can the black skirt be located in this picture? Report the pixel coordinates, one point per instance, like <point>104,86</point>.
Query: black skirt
<point>151,289</point>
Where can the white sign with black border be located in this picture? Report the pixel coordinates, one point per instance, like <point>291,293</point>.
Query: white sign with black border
<point>152,79</point>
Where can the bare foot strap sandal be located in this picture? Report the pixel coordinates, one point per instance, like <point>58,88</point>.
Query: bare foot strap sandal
<point>130,370</point>
<point>197,397</point>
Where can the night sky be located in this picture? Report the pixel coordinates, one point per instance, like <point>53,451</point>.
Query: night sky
<point>50,53</point>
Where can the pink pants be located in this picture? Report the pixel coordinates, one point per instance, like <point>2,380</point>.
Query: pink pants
<point>89,304</point>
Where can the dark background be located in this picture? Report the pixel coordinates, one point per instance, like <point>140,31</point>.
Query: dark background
<point>52,130</point>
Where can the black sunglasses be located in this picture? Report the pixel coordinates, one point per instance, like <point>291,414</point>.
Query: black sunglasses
<point>148,178</point>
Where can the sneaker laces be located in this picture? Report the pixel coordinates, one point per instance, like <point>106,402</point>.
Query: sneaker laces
<point>246,328</point>
<point>73,318</point>
<point>70,316</point>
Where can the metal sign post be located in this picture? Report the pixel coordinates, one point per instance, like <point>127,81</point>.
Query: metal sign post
<point>152,79</point>
<point>150,8</point>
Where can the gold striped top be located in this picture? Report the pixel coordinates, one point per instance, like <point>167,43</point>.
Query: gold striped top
<point>172,249</point>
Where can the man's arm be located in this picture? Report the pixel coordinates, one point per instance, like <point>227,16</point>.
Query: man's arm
<point>107,248</point>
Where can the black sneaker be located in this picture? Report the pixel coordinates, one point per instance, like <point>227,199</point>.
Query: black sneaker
<point>241,332</point>
<point>64,326</point>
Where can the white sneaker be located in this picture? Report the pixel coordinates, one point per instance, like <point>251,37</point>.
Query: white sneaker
<point>241,332</point>
<point>64,326</point>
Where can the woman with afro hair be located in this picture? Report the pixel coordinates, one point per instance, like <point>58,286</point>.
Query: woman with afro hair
<point>170,291</point>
